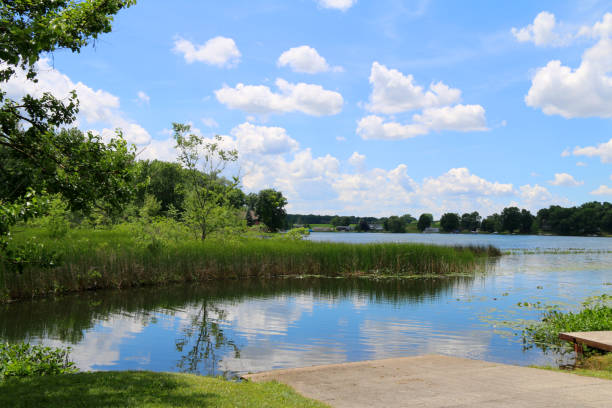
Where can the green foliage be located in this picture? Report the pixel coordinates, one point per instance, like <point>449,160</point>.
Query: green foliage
<point>450,222</point>
<point>424,222</point>
<point>270,209</point>
<point>362,225</point>
<point>151,207</point>
<point>394,224</point>
<point>147,389</point>
<point>206,192</point>
<point>471,221</point>
<point>511,219</point>
<point>24,360</point>
<point>127,256</point>
<point>296,234</point>
<point>56,221</point>
<point>595,315</point>
<point>591,218</point>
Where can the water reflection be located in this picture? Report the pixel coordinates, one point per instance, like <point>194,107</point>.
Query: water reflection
<point>220,328</point>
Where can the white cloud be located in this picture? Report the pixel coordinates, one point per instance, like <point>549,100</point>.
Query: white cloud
<point>542,32</point>
<point>159,150</point>
<point>582,92</point>
<point>96,107</point>
<point>463,118</point>
<point>603,150</point>
<point>305,59</point>
<point>357,160</point>
<point>341,138</point>
<point>143,97</point>
<point>306,98</point>
<point>263,140</point>
<point>374,128</point>
<point>581,164</point>
<point>342,5</point>
<point>394,92</point>
<point>601,29</point>
<point>565,153</point>
<point>210,122</point>
<point>219,51</point>
<point>602,190</point>
<point>459,181</point>
<point>565,180</point>
<point>536,197</point>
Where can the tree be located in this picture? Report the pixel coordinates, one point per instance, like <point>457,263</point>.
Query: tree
<point>395,224</point>
<point>470,221</point>
<point>450,222</point>
<point>207,192</point>
<point>511,219</point>
<point>407,218</point>
<point>36,156</point>
<point>492,223</point>
<point>527,220</point>
<point>425,221</point>
<point>363,225</point>
<point>271,209</point>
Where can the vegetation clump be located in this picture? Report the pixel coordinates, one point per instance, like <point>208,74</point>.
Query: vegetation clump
<point>595,315</point>
<point>25,360</point>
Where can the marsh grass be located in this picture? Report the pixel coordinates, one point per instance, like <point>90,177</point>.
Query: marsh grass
<point>120,258</point>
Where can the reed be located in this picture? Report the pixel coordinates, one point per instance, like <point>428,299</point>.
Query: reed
<point>97,259</point>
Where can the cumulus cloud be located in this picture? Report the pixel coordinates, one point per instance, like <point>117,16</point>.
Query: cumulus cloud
<point>374,128</point>
<point>582,92</point>
<point>219,51</point>
<point>305,59</point>
<point>263,139</point>
<point>601,29</point>
<point>301,97</point>
<point>602,190</point>
<point>602,150</point>
<point>543,31</point>
<point>536,197</point>
<point>96,107</point>
<point>342,5</point>
<point>565,180</point>
<point>357,160</point>
<point>394,92</point>
<point>459,181</point>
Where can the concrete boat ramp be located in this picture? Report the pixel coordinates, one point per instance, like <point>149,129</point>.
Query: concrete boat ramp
<point>440,381</point>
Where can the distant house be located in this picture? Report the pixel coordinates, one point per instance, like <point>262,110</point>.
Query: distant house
<point>376,227</point>
<point>431,230</point>
<point>321,229</point>
<point>343,228</point>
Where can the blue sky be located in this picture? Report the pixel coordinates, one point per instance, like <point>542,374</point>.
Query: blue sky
<point>365,107</point>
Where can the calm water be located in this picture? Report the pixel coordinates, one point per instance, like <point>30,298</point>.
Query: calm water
<point>236,327</point>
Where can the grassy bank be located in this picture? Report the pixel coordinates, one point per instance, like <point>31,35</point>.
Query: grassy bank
<point>144,389</point>
<point>120,258</point>
<point>594,366</point>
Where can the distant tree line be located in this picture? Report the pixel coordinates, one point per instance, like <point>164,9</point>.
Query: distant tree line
<point>592,218</point>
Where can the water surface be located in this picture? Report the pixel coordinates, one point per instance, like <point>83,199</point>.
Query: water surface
<point>235,327</point>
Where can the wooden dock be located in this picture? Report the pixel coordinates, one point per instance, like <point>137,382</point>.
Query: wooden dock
<point>601,340</point>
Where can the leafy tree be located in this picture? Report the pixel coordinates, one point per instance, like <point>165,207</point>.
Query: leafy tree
<point>492,223</point>
<point>395,224</point>
<point>205,194</point>
<point>36,156</point>
<point>470,221</point>
<point>408,219</point>
<point>425,221</point>
<point>511,219</point>
<point>450,222</point>
<point>527,220</point>
<point>363,225</point>
<point>271,209</point>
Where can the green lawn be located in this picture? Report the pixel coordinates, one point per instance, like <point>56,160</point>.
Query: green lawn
<point>145,389</point>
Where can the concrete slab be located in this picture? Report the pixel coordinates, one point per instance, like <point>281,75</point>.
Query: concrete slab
<point>597,339</point>
<point>434,381</point>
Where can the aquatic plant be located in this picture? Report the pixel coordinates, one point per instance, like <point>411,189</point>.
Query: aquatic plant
<point>25,360</point>
<point>121,257</point>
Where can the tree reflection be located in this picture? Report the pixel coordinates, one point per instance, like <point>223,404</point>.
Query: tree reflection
<point>205,341</point>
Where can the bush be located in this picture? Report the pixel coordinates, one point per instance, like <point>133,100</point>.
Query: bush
<point>25,360</point>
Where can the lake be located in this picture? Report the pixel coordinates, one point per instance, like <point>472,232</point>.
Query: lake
<point>234,327</point>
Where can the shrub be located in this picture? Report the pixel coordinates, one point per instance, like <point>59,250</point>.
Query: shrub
<point>25,360</point>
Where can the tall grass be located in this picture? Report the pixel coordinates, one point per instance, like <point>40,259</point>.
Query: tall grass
<point>94,259</point>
